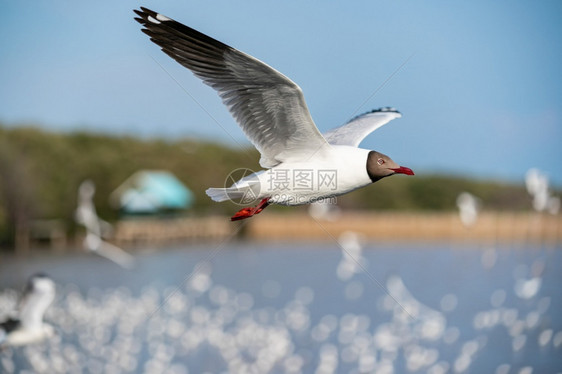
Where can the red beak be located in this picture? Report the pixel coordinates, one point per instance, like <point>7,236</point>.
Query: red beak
<point>403,170</point>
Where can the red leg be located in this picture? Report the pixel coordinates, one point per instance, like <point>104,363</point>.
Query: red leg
<point>242,214</point>
<point>262,205</point>
<point>250,211</point>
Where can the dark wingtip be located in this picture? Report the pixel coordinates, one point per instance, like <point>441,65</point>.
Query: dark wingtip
<point>144,13</point>
<point>149,11</point>
<point>385,109</point>
<point>40,275</point>
<point>142,21</point>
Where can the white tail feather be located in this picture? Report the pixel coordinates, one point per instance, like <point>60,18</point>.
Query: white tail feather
<point>223,194</point>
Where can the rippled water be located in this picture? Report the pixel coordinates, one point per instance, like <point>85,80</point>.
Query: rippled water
<point>298,308</point>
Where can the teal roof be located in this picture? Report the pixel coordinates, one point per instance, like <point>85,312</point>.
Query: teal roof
<point>151,191</point>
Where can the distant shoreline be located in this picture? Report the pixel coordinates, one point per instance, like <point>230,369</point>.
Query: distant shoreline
<point>388,226</point>
<point>391,227</point>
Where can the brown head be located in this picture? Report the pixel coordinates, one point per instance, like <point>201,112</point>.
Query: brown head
<point>380,166</point>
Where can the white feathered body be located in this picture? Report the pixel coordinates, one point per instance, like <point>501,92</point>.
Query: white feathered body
<point>326,174</point>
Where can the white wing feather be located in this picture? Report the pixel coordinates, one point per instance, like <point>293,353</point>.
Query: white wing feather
<point>354,131</point>
<point>268,106</point>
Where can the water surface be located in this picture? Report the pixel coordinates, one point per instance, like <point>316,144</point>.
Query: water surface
<point>298,308</point>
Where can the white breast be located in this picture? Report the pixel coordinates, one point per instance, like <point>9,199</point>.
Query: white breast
<point>330,173</point>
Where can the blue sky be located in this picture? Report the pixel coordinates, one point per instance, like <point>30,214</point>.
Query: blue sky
<point>481,93</point>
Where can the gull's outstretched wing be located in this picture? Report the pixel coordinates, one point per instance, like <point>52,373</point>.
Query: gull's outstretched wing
<point>354,131</point>
<point>116,254</point>
<point>111,252</point>
<point>267,105</point>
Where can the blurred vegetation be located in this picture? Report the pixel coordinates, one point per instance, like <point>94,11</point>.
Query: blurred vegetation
<point>40,173</point>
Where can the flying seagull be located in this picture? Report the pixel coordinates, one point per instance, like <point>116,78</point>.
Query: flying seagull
<point>27,326</point>
<point>302,165</point>
<point>86,216</point>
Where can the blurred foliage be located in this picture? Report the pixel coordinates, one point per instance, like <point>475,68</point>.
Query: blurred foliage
<point>430,192</point>
<point>40,173</point>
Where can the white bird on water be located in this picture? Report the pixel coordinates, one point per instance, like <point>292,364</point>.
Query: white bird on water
<point>86,216</point>
<point>302,164</point>
<point>27,326</point>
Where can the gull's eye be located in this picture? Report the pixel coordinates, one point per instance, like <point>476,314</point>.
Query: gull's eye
<point>380,161</point>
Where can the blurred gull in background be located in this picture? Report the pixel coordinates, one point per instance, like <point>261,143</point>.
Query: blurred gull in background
<point>351,244</point>
<point>427,323</point>
<point>324,210</point>
<point>538,187</point>
<point>469,207</point>
<point>95,228</point>
<point>528,282</point>
<point>27,326</point>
